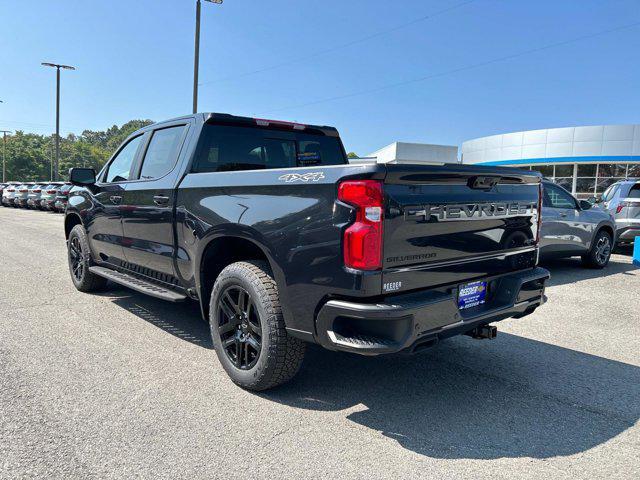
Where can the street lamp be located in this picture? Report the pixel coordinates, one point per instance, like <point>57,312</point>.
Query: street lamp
<point>57,67</point>
<point>4,153</point>
<point>196,60</point>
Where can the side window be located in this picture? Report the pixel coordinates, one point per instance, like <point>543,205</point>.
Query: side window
<point>120,166</point>
<point>610,193</point>
<point>558,198</point>
<point>162,152</point>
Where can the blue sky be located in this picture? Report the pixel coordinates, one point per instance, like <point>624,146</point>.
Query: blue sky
<point>135,60</point>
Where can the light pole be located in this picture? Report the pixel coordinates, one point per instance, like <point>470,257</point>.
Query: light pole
<point>196,60</point>
<point>4,153</point>
<point>57,67</point>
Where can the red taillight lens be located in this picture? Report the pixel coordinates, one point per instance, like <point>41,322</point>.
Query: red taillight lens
<point>51,191</point>
<point>539,213</point>
<point>23,190</point>
<point>37,191</point>
<point>621,205</point>
<point>363,240</point>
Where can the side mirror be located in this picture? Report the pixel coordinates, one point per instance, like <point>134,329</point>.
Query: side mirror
<point>82,177</point>
<point>585,204</point>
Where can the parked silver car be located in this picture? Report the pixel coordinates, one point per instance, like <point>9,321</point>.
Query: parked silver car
<point>22,194</point>
<point>622,200</point>
<point>33,197</point>
<point>9,193</point>
<point>48,195</point>
<point>572,227</point>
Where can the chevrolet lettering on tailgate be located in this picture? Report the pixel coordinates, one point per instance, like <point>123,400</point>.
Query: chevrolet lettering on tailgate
<point>469,211</point>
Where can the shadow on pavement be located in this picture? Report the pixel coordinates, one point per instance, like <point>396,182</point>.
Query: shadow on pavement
<point>570,270</point>
<point>624,250</point>
<point>182,320</point>
<point>464,399</point>
<point>511,397</point>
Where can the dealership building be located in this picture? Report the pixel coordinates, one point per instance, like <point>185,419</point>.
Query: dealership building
<point>584,160</point>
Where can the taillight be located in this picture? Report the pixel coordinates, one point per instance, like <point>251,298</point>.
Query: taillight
<point>363,239</point>
<point>24,190</point>
<point>539,213</point>
<point>621,205</point>
<point>37,191</point>
<point>263,122</point>
<point>51,191</point>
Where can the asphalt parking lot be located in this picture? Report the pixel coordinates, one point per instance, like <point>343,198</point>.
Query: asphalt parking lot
<point>121,385</point>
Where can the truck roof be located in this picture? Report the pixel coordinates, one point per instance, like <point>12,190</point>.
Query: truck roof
<point>227,119</point>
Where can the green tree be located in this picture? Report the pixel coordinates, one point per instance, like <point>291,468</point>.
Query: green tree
<point>29,155</point>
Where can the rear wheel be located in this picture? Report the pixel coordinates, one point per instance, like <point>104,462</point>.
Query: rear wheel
<point>248,330</point>
<point>79,257</point>
<point>598,256</point>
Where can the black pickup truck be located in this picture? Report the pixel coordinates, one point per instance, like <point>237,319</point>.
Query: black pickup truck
<point>282,241</point>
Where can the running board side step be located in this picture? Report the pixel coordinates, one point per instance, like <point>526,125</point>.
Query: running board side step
<point>138,285</point>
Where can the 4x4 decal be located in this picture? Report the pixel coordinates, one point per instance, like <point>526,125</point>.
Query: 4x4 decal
<point>302,177</point>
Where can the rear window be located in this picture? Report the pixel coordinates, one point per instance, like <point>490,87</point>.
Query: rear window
<point>226,148</point>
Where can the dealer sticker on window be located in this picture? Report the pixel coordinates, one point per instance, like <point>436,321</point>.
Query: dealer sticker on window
<point>472,294</point>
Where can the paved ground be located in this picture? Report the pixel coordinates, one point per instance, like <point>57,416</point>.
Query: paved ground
<point>120,385</point>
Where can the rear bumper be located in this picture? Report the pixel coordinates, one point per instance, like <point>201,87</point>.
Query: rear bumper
<point>627,234</point>
<point>406,322</point>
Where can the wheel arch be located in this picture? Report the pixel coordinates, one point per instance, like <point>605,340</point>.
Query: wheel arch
<point>607,228</point>
<point>220,252</point>
<point>70,221</point>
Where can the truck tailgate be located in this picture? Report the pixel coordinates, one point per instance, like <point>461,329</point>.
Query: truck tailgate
<point>456,223</point>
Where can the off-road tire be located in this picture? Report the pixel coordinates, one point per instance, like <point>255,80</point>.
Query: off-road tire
<point>595,257</point>
<point>280,354</point>
<point>87,281</point>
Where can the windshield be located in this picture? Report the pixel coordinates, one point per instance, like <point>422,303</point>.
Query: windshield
<point>227,148</point>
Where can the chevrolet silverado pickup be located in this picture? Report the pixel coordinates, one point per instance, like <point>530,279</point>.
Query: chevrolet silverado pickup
<point>283,242</point>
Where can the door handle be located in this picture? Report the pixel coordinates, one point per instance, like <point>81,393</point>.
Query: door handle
<point>160,200</point>
<point>115,199</point>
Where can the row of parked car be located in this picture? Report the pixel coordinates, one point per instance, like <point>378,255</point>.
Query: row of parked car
<point>37,195</point>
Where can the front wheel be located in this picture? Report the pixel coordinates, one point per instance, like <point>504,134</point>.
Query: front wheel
<point>80,260</point>
<point>248,330</point>
<point>600,253</point>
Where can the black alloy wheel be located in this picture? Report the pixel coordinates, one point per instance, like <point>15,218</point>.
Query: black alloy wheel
<point>239,327</point>
<point>77,258</point>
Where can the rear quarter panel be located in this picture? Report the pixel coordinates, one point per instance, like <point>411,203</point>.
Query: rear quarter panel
<point>291,215</point>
